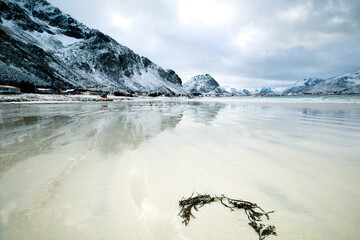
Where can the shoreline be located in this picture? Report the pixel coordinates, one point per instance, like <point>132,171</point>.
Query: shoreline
<point>49,98</point>
<point>57,98</point>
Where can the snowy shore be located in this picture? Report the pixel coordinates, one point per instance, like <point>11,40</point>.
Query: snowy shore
<point>30,97</point>
<point>53,98</point>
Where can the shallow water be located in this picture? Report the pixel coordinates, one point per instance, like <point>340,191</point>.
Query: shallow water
<point>118,170</point>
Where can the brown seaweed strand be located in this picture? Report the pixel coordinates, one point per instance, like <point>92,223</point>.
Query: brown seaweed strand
<point>252,210</point>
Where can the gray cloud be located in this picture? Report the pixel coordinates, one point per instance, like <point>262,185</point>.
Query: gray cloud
<point>241,43</point>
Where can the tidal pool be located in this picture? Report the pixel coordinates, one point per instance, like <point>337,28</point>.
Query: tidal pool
<point>117,170</point>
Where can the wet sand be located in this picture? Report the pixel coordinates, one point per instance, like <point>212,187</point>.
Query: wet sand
<point>117,170</point>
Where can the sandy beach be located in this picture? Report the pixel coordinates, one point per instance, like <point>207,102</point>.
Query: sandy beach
<point>116,170</point>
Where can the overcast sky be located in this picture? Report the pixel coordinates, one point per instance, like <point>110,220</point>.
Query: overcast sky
<point>241,43</point>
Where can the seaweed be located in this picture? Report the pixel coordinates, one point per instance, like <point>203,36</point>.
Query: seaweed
<point>254,212</point>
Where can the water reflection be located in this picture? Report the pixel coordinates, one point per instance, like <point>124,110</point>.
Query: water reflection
<point>329,116</point>
<point>206,112</point>
<point>29,130</point>
<point>26,136</point>
<point>328,113</point>
<point>128,128</point>
<point>84,179</point>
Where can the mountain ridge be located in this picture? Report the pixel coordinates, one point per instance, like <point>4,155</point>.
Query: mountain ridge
<point>45,47</point>
<point>347,83</point>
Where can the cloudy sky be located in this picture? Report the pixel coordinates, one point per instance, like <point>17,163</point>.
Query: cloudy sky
<point>241,43</point>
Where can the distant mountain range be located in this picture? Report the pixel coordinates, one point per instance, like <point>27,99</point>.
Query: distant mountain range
<point>348,83</point>
<point>42,46</point>
<point>344,84</point>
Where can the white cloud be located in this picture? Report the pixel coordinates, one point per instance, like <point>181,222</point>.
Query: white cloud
<point>251,40</point>
<point>297,13</point>
<point>248,36</point>
<point>120,21</point>
<point>204,12</point>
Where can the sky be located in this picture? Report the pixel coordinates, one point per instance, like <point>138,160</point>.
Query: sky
<point>241,43</point>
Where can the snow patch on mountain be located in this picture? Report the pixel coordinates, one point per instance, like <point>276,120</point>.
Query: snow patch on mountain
<point>204,84</point>
<point>47,45</point>
<point>337,84</point>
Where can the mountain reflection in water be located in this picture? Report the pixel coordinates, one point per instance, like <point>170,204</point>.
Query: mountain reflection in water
<point>108,128</point>
<point>117,170</point>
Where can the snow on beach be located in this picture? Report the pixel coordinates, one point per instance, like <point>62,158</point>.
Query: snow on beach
<point>338,99</point>
<point>53,98</point>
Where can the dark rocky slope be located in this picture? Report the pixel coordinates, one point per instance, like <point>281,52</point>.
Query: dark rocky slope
<point>42,46</point>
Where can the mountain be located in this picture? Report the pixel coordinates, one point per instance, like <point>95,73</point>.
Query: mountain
<point>235,92</point>
<point>239,92</point>
<point>348,83</point>
<point>204,84</point>
<point>265,91</point>
<point>246,92</point>
<point>42,46</point>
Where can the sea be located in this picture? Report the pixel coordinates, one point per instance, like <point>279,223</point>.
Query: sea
<point>117,170</point>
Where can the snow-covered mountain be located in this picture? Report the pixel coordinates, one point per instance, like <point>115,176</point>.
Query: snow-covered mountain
<point>246,92</point>
<point>204,84</point>
<point>348,83</point>
<point>265,90</point>
<point>238,92</point>
<point>42,46</point>
<point>235,92</point>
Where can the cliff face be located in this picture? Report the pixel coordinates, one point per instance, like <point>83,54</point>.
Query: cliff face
<point>43,46</point>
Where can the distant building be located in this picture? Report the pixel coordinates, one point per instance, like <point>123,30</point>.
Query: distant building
<point>9,89</point>
<point>45,90</point>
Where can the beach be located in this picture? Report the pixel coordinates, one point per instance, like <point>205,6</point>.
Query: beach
<point>117,170</point>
